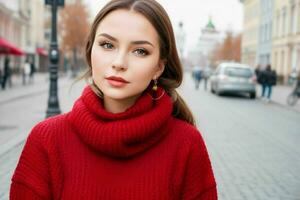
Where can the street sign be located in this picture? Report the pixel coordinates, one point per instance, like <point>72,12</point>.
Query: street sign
<point>58,2</point>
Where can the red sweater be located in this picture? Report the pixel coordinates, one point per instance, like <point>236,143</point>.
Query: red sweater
<point>143,153</point>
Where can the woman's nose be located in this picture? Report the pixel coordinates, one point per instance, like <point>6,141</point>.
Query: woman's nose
<point>120,62</point>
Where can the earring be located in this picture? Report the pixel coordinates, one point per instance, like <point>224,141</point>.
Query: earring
<point>155,85</point>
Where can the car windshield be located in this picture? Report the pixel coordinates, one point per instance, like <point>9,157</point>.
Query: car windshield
<point>238,72</point>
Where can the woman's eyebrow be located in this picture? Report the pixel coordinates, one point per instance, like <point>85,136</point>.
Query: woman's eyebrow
<point>133,42</point>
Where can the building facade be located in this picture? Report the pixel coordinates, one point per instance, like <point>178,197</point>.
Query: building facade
<point>13,22</point>
<point>272,33</point>
<point>208,40</point>
<point>180,37</point>
<point>286,37</point>
<point>251,32</point>
<point>264,50</point>
<point>22,24</point>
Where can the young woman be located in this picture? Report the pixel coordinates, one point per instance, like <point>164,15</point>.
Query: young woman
<point>130,135</point>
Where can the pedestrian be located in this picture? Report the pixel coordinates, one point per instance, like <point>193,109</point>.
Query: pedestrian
<point>297,85</point>
<point>6,73</point>
<point>257,71</point>
<point>130,135</point>
<point>32,71</point>
<point>197,75</point>
<point>268,79</point>
<point>1,76</point>
<point>206,75</point>
<point>26,72</point>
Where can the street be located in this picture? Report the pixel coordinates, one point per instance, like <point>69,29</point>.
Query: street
<point>253,145</point>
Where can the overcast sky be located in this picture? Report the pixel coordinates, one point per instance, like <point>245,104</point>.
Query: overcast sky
<point>226,14</point>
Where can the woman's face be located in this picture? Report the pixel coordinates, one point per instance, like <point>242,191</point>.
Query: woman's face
<point>125,55</point>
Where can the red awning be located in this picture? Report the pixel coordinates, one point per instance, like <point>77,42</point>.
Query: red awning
<point>42,51</point>
<point>8,48</point>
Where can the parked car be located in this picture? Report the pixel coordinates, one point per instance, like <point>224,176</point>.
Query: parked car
<point>233,78</point>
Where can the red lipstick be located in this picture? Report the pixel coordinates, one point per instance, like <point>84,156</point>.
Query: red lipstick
<point>116,81</point>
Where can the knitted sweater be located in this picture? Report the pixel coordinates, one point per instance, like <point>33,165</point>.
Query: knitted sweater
<point>143,153</point>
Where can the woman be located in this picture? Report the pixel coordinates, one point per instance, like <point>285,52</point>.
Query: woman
<point>130,135</point>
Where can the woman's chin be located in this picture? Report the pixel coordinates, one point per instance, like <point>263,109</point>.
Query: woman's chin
<point>120,95</point>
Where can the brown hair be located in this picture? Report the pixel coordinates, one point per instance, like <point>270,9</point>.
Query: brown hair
<point>172,76</point>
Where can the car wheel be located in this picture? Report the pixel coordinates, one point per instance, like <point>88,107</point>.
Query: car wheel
<point>252,95</point>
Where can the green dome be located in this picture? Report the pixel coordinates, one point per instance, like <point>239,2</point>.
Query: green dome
<point>210,24</point>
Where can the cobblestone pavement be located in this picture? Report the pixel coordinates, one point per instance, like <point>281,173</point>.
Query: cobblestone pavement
<point>8,162</point>
<point>253,145</point>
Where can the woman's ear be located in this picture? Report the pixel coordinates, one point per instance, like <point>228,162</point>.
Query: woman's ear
<point>160,68</point>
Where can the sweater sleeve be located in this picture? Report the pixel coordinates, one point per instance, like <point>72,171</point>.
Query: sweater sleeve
<point>31,176</point>
<point>199,181</point>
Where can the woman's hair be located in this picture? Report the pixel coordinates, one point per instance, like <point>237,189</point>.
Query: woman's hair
<point>172,76</point>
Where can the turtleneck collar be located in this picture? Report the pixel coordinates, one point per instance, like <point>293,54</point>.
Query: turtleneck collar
<point>120,134</point>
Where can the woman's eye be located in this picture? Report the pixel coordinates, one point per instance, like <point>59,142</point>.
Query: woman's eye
<point>106,45</point>
<point>141,52</point>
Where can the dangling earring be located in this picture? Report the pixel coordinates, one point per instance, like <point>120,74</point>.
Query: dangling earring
<point>155,85</point>
<point>155,92</point>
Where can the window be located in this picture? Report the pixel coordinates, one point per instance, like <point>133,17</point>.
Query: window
<point>238,72</point>
<point>282,60</point>
<point>283,31</point>
<point>267,32</point>
<point>292,17</point>
<point>278,24</point>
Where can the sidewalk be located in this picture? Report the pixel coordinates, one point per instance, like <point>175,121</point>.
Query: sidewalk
<point>279,96</point>
<point>22,106</point>
<point>18,90</point>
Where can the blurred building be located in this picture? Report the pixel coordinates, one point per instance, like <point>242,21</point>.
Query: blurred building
<point>22,24</point>
<point>180,40</point>
<point>210,37</point>
<point>13,23</point>
<point>286,37</point>
<point>251,32</point>
<point>272,35</point>
<point>36,46</point>
<point>208,40</point>
<point>264,50</point>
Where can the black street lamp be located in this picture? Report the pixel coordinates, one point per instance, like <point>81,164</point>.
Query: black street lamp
<point>53,103</point>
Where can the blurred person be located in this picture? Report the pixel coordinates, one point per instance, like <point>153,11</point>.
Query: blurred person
<point>297,86</point>
<point>292,98</point>
<point>197,75</point>
<point>26,72</point>
<point>6,73</point>
<point>32,71</point>
<point>257,72</point>
<point>130,135</point>
<point>206,75</point>
<point>1,76</point>
<point>267,78</point>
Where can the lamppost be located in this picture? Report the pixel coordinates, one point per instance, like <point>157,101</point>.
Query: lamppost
<point>53,103</point>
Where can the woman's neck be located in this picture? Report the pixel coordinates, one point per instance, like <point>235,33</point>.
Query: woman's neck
<point>118,105</point>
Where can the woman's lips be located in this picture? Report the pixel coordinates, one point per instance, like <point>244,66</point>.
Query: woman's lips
<point>116,81</point>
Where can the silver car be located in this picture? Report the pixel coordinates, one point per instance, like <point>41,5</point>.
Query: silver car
<point>233,78</point>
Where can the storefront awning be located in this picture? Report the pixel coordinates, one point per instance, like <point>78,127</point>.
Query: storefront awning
<point>42,51</point>
<point>8,48</point>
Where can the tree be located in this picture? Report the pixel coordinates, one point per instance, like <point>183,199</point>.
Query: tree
<point>74,26</point>
<point>229,49</point>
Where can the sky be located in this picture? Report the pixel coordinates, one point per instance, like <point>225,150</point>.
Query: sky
<point>226,15</point>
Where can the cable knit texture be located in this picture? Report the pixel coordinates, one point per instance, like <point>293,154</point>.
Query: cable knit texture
<point>143,153</point>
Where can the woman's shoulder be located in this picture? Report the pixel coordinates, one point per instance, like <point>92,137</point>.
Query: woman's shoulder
<point>50,126</point>
<point>186,131</point>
